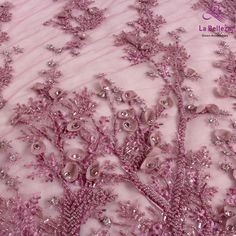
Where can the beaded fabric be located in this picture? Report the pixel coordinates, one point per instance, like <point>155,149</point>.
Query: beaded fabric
<point>117,118</point>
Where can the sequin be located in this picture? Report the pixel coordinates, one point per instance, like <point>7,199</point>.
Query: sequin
<point>130,125</point>
<point>71,171</point>
<point>75,154</point>
<point>38,147</point>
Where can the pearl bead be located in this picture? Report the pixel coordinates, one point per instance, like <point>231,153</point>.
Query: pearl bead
<point>38,147</point>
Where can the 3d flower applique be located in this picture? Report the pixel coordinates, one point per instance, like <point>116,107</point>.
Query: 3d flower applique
<point>93,171</point>
<point>71,171</point>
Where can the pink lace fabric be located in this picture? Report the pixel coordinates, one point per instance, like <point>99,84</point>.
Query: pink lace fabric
<point>117,118</point>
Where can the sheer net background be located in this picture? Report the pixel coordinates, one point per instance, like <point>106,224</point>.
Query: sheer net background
<point>99,55</point>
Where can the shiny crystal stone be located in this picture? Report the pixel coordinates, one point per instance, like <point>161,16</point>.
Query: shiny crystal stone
<point>225,167</point>
<point>106,221</point>
<point>228,213</point>
<point>54,201</point>
<point>12,157</point>
<point>2,174</point>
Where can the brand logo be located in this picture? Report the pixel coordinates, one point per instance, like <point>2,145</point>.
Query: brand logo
<point>215,12</point>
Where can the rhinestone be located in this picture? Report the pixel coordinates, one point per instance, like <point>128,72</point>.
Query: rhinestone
<point>54,201</point>
<point>13,157</point>
<point>106,221</point>
<point>166,102</point>
<point>225,166</point>
<point>73,126</point>
<point>93,10</point>
<point>228,213</point>
<point>129,95</point>
<point>2,174</point>
<point>38,147</point>
<point>230,228</point>
<point>55,93</point>
<point>102,94</point>
<point>130,125</point>
<point>154,138</point>
<point>105,84</point>
<point>94,172</point>
<point>126,114</point>
<point>234,124</point>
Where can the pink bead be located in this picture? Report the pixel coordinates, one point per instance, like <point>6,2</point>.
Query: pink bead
<point>129,95</point>
<point>75,154</point>
<point>38,147</point>
<point>73,126</point>
<point>130,125</point>
<point>93,171</point>
<point>55,93</point>
<point>147,116</point>
<point>71,171</point>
